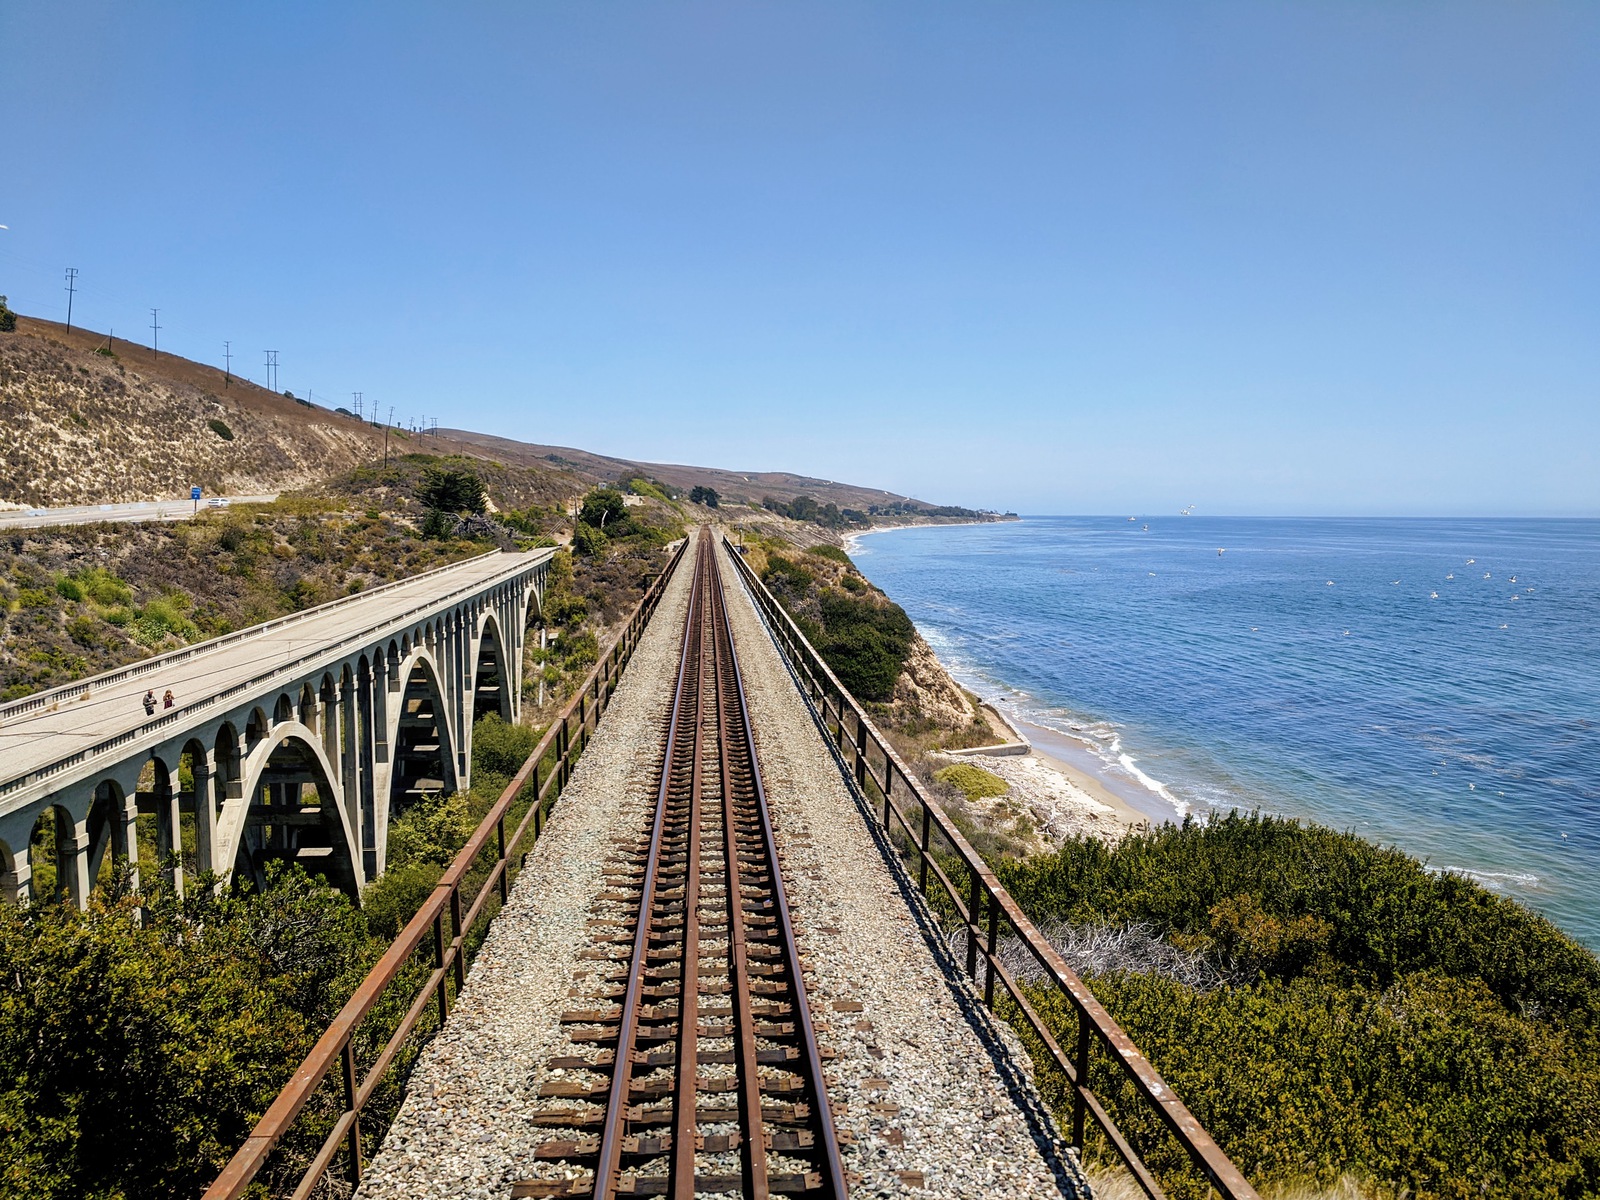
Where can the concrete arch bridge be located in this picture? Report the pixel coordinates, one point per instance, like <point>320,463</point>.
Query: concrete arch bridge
<point>296,740</point>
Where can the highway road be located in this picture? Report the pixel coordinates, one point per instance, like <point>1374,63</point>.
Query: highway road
<point>143,510</point>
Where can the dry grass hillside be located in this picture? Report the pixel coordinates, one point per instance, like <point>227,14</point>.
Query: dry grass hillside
<point>88,422</point>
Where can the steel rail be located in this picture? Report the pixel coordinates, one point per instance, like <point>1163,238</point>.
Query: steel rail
<point>835,1183</point>
<point>981,908</point>
<point>565,739</point>
<point>608,1167</point>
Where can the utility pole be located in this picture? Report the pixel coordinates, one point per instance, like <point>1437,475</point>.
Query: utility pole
<point>355,398</point>
<point>272,370</point>
<point>72,286</point>
<point>155,334</point>
<point>386,436</point>
<point>227,353</point>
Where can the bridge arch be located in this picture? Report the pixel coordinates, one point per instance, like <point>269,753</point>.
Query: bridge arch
<point>50,844</point>
<point>11,888</point>
<point>493,673</point>
<point>108,833</point>
<point>256,729</point>
<point>277,821</point>
<point>423,754</point>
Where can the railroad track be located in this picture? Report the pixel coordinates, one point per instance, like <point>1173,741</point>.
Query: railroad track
<point>698,1070</point>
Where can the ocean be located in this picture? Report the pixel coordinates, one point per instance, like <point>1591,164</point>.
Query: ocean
<point>1428,684</point>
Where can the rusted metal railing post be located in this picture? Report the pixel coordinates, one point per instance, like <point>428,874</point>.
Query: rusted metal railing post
<point>922,848</point>
<point>974,908</point>
<point>350,1099</point>
<point>460,940</point>
<point>505,866</point>
<point>1080,1105</point>
<point>443,990</point>
<point>888,782</point>
<point>861,753</point>
<point>988,962</point>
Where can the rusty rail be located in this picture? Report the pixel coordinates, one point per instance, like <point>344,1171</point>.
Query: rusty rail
<point>986,912</point>
<point>439,925</point>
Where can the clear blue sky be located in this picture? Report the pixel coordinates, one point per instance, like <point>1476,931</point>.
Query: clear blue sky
<point>1059,257</point>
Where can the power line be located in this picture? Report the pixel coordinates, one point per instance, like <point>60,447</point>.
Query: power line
<point>155,334</point>
<point>355,398</point>
<point>72,286</point>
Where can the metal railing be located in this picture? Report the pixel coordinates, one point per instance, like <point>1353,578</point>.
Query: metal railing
<point>441,926</point>
<point>986,912</point>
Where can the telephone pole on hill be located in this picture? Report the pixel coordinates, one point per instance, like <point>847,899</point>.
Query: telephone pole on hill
<point>272,370</point>
<point>72,286</point>
<point>227,353</point>
<point>155,334</point>
<point>355,398</point>
<point>386,436</point>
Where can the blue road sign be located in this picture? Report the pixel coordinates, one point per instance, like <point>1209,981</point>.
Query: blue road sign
<point>194,492</point>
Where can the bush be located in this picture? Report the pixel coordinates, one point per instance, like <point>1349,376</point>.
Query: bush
<point>8,319</point>
<point>221,429</point>
<point>977,783</point>
<point>104,588</point>
<point>704,495</point>
<point>69,589</point>
<point>832,553</point>
<point>865,643</point>
<point>588,540</point>
<point>438,524</point>
<point>501,749</point>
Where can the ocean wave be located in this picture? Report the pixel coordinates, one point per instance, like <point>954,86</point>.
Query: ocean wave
<point>1498,881</point>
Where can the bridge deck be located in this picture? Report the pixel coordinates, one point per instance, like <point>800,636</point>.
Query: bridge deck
<point>109,706</point>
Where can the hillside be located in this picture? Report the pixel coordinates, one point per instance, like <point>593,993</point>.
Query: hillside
<point>96,420</point>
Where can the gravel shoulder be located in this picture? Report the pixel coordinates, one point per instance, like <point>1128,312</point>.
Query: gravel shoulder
<point>464,1131</point>
<point>933,1091</point>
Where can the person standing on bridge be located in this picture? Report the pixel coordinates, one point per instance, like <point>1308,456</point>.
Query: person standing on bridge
<point>150,702</point>
<point>167,700</point>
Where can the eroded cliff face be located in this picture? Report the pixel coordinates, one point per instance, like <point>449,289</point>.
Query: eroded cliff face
<point>926,696</point>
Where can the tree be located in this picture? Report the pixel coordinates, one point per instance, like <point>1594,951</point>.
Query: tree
<point>8,319</point>
<point>451,491</point>
<point>602,506</point>
<point>704,495</point>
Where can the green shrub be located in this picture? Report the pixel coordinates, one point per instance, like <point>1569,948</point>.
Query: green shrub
<point>220,428</point>
<point>977,783</point>
<point>69,589</point>
<point>500,749</point>
<point>588,540</point>
<point>392,899</point>
<point>104,588</point>
<point>438,524</point>
<point>865,643</point>
<point>430,831</point>
<point>785,572</point>
<point>833,553</point>
<point>34,598</point>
